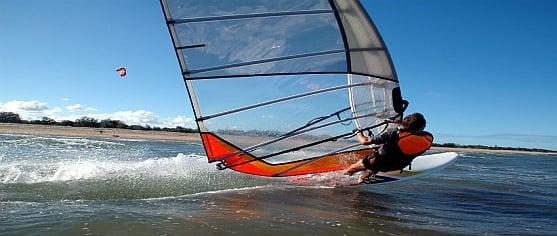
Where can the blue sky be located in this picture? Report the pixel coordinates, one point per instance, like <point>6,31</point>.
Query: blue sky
<point>482,71</point>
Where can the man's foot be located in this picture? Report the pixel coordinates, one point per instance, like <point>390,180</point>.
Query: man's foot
<point>365,176</point>
<point>362,179</point>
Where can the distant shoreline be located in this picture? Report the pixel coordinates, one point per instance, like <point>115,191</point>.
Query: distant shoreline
<point>36,129</point>
<point>117,133</point>
<point>486,150</point>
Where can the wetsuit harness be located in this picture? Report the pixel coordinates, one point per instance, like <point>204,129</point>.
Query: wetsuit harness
<point>409,145</point>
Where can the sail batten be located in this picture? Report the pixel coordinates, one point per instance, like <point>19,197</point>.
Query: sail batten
<point>277,86</point>
<point>249,63</point>
<point>294,134</point>
<point>247,16</point>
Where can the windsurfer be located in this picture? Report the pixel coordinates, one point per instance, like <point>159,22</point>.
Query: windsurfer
<point>398,147</point>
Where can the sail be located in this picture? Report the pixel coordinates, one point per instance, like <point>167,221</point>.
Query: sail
<point>278,86</point>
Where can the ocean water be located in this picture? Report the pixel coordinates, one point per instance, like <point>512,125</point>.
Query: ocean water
<point>51,185</point>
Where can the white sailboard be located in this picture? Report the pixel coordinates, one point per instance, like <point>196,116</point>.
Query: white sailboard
<point>421,166</point>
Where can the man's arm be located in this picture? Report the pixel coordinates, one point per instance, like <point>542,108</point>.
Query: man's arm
<point>378,139</point>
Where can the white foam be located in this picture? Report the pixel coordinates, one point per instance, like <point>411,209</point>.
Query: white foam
<point>67,170</point>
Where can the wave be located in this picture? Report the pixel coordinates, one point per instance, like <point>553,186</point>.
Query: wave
<point>43,168</point>
<point>109,179</point>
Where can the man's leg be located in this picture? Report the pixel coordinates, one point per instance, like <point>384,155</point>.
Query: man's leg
<point>358,166</point>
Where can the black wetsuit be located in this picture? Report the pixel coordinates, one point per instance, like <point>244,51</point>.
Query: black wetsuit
<point>389,156</point>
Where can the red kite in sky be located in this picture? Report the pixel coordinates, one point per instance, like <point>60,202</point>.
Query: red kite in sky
<point>122,71</point>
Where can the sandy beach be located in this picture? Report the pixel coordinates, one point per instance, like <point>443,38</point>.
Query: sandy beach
<point>12,128</point>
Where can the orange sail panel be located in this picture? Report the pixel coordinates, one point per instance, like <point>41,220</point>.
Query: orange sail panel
<point>249,164</point>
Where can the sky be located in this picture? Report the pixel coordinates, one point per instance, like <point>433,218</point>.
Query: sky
<point>481,71</point>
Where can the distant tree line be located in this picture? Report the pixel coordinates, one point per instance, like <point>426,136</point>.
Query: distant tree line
<point>453,145</point>
<point>11,117</point>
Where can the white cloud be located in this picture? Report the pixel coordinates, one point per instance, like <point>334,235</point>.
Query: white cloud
<point>26,109</point>
<point>32,106</point>
<point>52,112</point>
<point>31,110</point>
<point>143,117</point>
<point>267,117</point>
<point>75,107</point>
<point>182,121</point>
<point>79,107</point>
<point>140,117</point>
